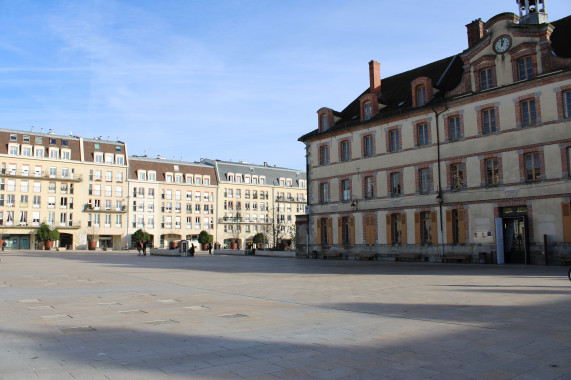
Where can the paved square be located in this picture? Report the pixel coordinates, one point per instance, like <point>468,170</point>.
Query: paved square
<point>83,315</point>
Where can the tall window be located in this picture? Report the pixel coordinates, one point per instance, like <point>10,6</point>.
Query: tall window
<point>422,134</point>
<point>424,180</point>
<point>492,172</point>
<point>345,151</point>
<point>455,227</point>
<point>345,230</point>
<point>488,120</point>
<point>369,187</point>
<point>396,184</point>
<point>426,228</point>
<point>454,126</point>
<point>525,68</point>
<point>457,176</point>
<point>532,167</point>
<point>368,110</point>
<point>394,140</point>
<point>323,192</point>
<point>323,155</point>
<point>528,116</point>
<point>324,233</point>
<point>486,79</point>
<point>420,96</point>
<point>346,190</point>
<point>368,148</point>
<point>396,229</point>
<point>567,104</point>
<point>323,122</point>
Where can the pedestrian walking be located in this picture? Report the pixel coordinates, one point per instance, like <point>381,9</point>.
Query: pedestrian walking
<point>210,248</point>
<point>192,249</point>
<point>139,248</point>
<point>144,248</point>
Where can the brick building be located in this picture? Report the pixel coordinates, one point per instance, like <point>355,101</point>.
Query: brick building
<point>464,155</point>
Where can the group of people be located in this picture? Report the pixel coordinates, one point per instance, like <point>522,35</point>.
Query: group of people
<point>142,246</point>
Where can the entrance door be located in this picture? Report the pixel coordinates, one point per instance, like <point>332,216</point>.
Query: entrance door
<point>515,240</point>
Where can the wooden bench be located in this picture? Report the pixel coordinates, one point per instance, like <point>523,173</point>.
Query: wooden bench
<point>408,257</point>
<point>456,258</point>
<point>368,256</point>
<point>332,255</point>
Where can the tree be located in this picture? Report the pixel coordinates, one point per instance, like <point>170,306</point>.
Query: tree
<point>140,237</point>
<point>45,233</point>
<point>276,226</point>
<point>204,237</point>
<point>259,238</point>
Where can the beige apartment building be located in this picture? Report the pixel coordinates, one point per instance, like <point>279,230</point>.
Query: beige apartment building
<point>171,200</point>
<point>465,158</point>
<point>257,199</point>
<point>74,184</point>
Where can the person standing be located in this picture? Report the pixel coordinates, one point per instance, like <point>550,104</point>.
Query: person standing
<point>210,248</point>
<point>192,249</point>
<point>144,248</point>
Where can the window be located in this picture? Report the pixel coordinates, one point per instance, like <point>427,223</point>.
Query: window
<point>152,176</point>
<point>396,229</point>
<point>345,230</point>
<point>488,120</point>
<point>27,151</point>
<point>456,222</point>
<point>426,228</point>
<point>420,96</point>
<point>98,157</point>
<point>422,134</point>
<point>567,104</point>
<point>395,183</point>
<point>323,230</point>
<point>65,154</point>
<point>323,156</point>
<point>323,192</point>
<point>492,172</point>
<point>323,123</point>
<point>39,151</point>
<point>394,140</point>
<point>486,79</point>
<point>532,167</point>
<point>346,190</point>
<point>14,150</point>
<point>368,147</point>
<point>369,187</point>
<point>457,176</point>
<point>142,175</point>
<point>528,115</point>
<point>424,181</point>
<point>345,149</point>
<point>368,110</point>
<point>525,68</point>
<point>13,137</point>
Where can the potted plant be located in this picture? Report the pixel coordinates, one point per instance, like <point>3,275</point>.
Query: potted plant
<point>204,238</point>
<point>46,235</point>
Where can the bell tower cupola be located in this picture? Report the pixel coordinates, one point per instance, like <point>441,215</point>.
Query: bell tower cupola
<point>532,11</point>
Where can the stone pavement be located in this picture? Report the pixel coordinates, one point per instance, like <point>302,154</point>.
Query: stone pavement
<point>110,315</point>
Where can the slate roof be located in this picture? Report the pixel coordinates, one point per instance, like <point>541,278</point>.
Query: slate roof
<point>271,173</point>
<point>446,74</point>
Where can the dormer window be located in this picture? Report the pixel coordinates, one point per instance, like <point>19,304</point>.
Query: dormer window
<point>420,96</point>
<point>142,175</point>
<point>367,110</point>
<point>323,123</point>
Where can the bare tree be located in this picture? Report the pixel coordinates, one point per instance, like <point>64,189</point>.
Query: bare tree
<point>276,226</point>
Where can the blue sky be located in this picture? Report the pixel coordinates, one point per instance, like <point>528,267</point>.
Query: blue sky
<point>232,80</point>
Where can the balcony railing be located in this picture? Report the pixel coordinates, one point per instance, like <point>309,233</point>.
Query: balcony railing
<point>43,174</point>
<point>105,210</point>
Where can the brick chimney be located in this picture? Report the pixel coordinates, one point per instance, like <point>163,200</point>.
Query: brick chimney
<point>375,77</point>
<point>475,32</point>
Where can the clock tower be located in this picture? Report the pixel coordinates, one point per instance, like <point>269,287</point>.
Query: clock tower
<point>532,11</point>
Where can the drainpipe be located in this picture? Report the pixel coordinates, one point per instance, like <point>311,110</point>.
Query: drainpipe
<point>307,182</point>
<point>440,195</point>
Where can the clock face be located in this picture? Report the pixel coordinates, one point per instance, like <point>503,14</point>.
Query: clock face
<point>502,44</point>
